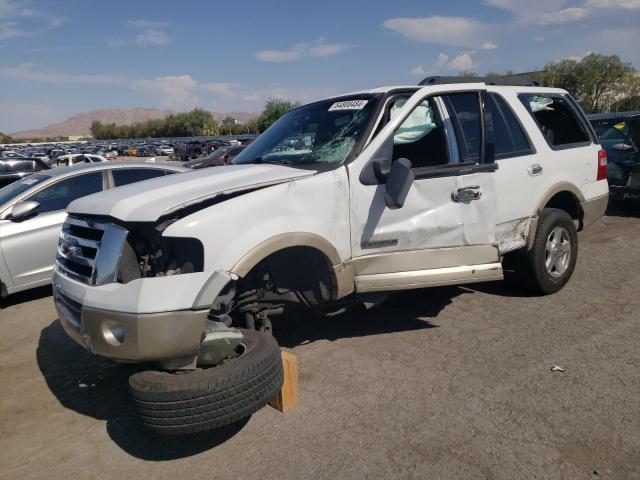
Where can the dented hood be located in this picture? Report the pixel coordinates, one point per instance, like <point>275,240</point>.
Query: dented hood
<point>149,200</point>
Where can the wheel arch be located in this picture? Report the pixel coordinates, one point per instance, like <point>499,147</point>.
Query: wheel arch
<point>564,196</point>
<point>301,246</point>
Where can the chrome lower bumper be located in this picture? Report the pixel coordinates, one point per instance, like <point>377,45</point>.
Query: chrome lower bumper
<point>133,337</point>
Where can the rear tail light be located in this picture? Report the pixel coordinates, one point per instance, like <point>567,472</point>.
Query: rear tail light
<point>602,165</point>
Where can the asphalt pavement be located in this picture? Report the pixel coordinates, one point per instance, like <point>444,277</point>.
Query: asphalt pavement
<point>451,382</point>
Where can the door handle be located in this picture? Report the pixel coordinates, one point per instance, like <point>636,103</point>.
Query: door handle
<point>535,169</point>
<point>466,194</point>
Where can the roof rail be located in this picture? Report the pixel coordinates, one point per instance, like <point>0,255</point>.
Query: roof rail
<point>513,80</point>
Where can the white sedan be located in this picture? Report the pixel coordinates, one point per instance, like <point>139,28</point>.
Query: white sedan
<point>75,158</point>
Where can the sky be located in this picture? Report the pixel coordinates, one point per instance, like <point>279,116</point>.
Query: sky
<point>62,57</point>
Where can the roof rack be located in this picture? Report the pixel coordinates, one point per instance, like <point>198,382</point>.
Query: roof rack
<point>513,80</point>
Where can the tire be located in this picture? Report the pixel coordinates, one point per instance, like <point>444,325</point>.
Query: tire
<point>206,399</point>
<point>532,266</point>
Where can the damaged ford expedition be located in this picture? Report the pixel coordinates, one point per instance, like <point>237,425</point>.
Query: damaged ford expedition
<point>339,201</point>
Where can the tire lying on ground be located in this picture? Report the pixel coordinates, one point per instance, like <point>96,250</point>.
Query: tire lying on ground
<point>210,398</point>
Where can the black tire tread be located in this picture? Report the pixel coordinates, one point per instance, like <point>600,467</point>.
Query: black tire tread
<point>210,398</point>
<point>530,265</point>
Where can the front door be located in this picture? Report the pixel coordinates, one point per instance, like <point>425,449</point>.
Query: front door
<point>445,231</point>
<point>29,246</point>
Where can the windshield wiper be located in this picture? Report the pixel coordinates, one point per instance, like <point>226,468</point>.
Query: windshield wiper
<point>274,161</point>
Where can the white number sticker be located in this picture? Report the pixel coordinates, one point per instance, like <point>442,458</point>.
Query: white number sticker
<point>349,105</point>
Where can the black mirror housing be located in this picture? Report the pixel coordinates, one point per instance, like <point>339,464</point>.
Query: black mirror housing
<point>398,183</point>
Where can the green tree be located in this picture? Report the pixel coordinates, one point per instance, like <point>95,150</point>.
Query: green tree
<point>273,110</point>
<point>210,129</point>
<point>596,81</point>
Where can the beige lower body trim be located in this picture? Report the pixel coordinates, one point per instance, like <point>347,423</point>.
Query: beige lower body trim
<point>428,278</point>
<point>594,209</point>
<point>426,259</point>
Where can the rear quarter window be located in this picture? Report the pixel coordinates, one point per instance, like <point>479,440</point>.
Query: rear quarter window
<point>557,119</point>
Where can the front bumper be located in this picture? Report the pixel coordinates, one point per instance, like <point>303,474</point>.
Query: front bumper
<point>122,322</point>
<point>593,209</point>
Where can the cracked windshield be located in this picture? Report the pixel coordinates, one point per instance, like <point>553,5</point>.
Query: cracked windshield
<point>322,132</point>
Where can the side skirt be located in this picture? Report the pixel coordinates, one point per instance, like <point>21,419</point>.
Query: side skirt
<point>429,278</point>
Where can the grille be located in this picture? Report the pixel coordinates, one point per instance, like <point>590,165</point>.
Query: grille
<point>89,251</point>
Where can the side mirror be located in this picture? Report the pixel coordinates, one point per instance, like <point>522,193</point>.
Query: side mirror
<point>23,210</point>
<point>398,183</point>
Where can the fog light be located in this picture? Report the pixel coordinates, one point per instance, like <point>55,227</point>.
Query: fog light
<point>113,333</point>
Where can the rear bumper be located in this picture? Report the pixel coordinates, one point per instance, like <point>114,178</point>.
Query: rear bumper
<point>593,209</point>
<point>633,190</point>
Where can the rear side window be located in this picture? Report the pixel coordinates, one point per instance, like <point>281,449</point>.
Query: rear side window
<point>556,118</point>
<point>15,166</point>
<point>503,129</point>
<point>133,175</point>
<point>464,109</point>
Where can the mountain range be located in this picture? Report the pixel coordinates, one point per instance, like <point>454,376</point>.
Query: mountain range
<point>80,124</point>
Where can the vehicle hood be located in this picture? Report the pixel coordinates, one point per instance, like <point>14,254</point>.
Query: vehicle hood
<point>149,200</point>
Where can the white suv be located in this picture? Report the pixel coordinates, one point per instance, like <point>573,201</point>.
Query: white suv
<point>340,200</point>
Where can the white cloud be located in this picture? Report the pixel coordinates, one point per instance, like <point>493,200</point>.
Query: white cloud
<point>489,46</point>
<point>57,22</point>
<point>464,61</point>
<point>13,9</point>
<point>220,88</point>
<point>538,39</point>
<point>115,42</point>
<point>450,31</point>
<point>12,30</point>
<point>322,49</point>
<point>295,52</point>
<point>147,24</point>
<point>544,12</point>
<point>566,15</point>
<point>442,59</point>
<point>626,4</point>
<point>28,71</point>
<point>151,37</point>
<point>418,71</point>
<point>302,50</point>
<point>175,91</point>
<point>525,7</point>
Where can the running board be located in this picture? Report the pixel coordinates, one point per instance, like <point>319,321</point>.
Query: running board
<point>381,282</point>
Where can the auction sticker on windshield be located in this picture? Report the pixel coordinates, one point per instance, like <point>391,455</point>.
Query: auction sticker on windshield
<point>349,105</point>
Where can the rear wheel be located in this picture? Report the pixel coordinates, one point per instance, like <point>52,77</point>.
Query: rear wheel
<point>548,266</point>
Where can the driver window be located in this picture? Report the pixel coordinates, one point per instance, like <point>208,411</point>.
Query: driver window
<point>421,137</point>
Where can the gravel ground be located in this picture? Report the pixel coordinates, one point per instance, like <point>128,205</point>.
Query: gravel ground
<point>450,382</point>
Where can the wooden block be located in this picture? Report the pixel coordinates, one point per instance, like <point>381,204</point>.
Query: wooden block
<point>287,397</point>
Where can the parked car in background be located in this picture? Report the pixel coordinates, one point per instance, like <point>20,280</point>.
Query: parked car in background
<point>221,156</point>
<point>619,135</point>
<point>145,151</point>
<point>164,150</point>
<point>74,159</point>
<point>111,155</point>
<point>32,210</point>
<point>13,169</point>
